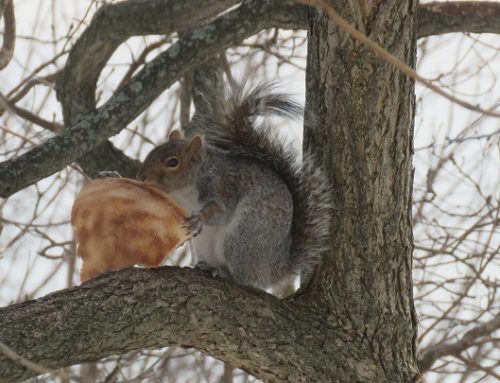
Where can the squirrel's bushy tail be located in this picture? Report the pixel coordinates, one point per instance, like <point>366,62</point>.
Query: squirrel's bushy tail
<point>311,220</point>
<point>232,122</point>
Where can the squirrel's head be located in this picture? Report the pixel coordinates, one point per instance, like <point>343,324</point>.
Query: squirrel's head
<point>173,165</point>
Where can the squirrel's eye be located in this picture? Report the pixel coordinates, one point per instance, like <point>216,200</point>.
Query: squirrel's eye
<point>172,162</point>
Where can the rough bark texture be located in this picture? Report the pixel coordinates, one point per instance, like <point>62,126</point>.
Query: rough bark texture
<point>359,118</point>
<point>132,309</point>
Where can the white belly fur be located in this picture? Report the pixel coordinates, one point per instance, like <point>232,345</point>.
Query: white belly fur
<point>208,245</point>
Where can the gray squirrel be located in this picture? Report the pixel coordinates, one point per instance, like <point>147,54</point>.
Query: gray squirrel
<point>259,217</point>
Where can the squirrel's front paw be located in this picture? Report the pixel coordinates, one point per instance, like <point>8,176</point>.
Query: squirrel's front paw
<point>193,224</point>
<point>221,271</point>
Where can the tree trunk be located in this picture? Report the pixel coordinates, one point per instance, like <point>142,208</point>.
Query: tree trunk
<point>359,121</point>
<point>356,321</point>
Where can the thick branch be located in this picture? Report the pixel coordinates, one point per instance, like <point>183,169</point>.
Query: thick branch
<point>469,339</point>
<point>9,36</point>
<point>151,308</point>
<point>3,3</point>
<point>111,26</point>
<point>88,131</point>
<point>438,18</point>
<point>459,16</point>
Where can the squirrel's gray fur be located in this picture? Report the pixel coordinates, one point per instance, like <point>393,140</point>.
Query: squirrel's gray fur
<point>234,125</point>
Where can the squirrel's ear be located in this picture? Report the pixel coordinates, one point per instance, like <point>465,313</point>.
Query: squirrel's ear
<point>194,148</point>
<point>174,136</point>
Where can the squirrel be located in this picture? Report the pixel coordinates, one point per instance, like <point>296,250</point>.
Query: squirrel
<point>259,217</point>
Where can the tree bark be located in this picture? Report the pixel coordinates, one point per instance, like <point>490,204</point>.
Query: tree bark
<point>274,340</point>
<point>458,16</point>
<point>359,121</point>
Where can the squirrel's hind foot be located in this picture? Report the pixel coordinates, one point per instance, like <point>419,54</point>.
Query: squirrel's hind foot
<point>221,272</point>
<point>204,266</point>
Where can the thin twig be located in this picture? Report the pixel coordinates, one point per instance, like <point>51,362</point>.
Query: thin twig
<point>27,115</point>
<point>467,340</point>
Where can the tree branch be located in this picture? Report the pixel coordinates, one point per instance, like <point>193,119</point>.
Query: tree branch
<point>392,59</point>
<point>111,26</point>
<point>87,131</point>
<point>9,36</point>
<point>458,16</point>
<point>6,104</point>
<point>469,339</point>
<point>91,128</point>
<point>108,29</point>
<point>151,308</point>
<point>3,3</point>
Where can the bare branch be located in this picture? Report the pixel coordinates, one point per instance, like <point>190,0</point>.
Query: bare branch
<point>110,27</point>
<point>458,16</point>
<point>86,132</point>
<point>113,24</point>
<point>9,36</point>
<point>152,308</point>
<point>6,104</point>
<point>469,339</point>
<point>3,3</point>
<point>440,17</point>
<point>391,59</point>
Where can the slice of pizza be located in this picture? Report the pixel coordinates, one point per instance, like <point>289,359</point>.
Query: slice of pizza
<point>119,222</point>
